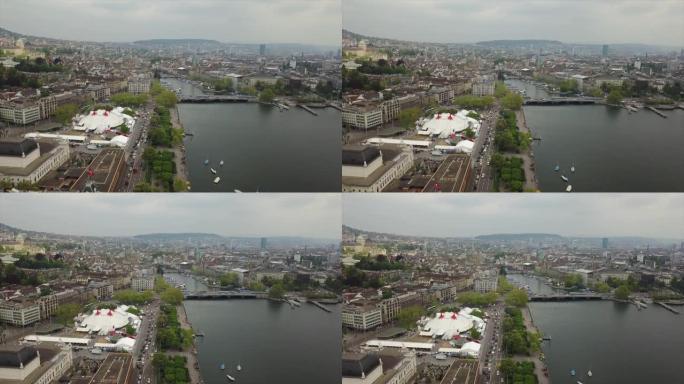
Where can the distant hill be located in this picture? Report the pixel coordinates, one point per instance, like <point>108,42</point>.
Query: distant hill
<point>513,43</point>
<point>176,41</point>
<point>520,237</point>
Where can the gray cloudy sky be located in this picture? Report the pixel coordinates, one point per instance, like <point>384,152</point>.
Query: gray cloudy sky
<point>600,214</point>
<point>263,214</point>
<point>570,21</point>
<point>238,21</point>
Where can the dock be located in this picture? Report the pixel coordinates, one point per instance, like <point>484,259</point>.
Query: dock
<point>304,107</point>
<point>319,305</point>
<point>659,113</point>
<point>676,312</point>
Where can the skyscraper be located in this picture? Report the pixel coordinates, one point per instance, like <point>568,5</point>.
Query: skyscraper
<point>604,244</point>
<point>262,49</point>
<point>604,52</point>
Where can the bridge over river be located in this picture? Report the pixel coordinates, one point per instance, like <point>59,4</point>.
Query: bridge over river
<point>563,100</point>
<point>217,99</point>
<point>565,297</point>
<point>223,295</point>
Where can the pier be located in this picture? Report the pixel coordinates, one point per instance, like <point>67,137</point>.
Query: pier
<point>676,312</point>
<point>319,305</point>
<point>657,112</point>
<point>304,107</point>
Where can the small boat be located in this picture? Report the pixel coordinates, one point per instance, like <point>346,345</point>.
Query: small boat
<point>231,378</point>
<point>572,169</point>
<point>239,368</point>
<point>237,191</point>
<point>212,170</point>
<point>568,188</point>
<point>590,374</point>
<point>206,161</point>
<point>222,366</point>
<point>579,382</point>
<point>221,163</point>
<point>572,372</point>
<point>557,168</point>
<point>217,179</point>
<point>564,178</point>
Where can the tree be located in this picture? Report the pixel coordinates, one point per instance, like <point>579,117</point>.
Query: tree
<point>408,117</point>
<point>64,113</point>
<point>166,98</point>
<point>277,291</point>
<point>517,298</point>
<point>475,334</point>
<point>408,316</point>
<point>469,133</point>
<point>512,101</point>
<point>66,312</point>
<point>230,279</point>
<point>614,97</point>
<point>602,287</point>
<point>266,96</point>
<point>622,292</point>
<point>172,296</point>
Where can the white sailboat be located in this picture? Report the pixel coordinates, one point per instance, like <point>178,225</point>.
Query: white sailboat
<point>564,178</point>
<point>568,188</point>
<point>212,170</point>
<point>239,368</point>
<point>229,377</point>
<point>221,163</point>
<point>590,374</point>
<point>217,179</point>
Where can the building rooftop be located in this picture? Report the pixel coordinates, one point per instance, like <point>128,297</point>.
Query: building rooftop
<point>17,147</point>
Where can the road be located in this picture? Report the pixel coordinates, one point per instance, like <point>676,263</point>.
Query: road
<point>491,345</point>
<point>145,344</point>
<point>136,147</point>
<point>483,150</point>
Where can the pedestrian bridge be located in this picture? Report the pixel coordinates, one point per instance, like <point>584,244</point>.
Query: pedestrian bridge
<point>563,100</point>
<point>222,295</point>
<point>562,297</point>
<point>217,99</point>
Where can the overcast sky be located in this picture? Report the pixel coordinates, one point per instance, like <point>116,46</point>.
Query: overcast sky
<point>570,21</point>
<point>263,214</point>
<point>456,215</point>
<point>236,21</point>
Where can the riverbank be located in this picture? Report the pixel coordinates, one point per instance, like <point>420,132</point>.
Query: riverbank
<point>179,150</point>
<point>529,166</point>
<point>191,357</point>
<point>539,365</point>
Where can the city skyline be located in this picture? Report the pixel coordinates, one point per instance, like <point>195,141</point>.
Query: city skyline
<point>608,22</point>
<point>318,23</point>
<point>586,215</point>
<point>256,215</point>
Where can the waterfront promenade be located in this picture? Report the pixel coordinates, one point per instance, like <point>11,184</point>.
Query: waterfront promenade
<point>195,377</point>
<point>529,166</point>
<point>179,150</point>
<point>535,358</point>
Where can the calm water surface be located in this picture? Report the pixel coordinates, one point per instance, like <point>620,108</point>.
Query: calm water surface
<point>618,343</point>
<point>263,149</point>
<point>612,150</point>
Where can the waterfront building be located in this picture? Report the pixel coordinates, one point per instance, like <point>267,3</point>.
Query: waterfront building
<point>485,284</point>
<point>19,312</point>
<point>390,307</point>
<point>100,92</point>
<point>139,84</point>
<point>372,169</point>
<point>362,117</point>
<point>142,283</point>
<point>101,290</point>
<point>29,160</point>
<point>361,316</point>
<point>483,88</point>
<point>19,112</point>
<point>25,364</point>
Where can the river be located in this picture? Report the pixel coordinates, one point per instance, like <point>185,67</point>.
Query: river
<point>617,342</point>
<point>263,149</point>
<point>272,342</point>
<point>612,149</point>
